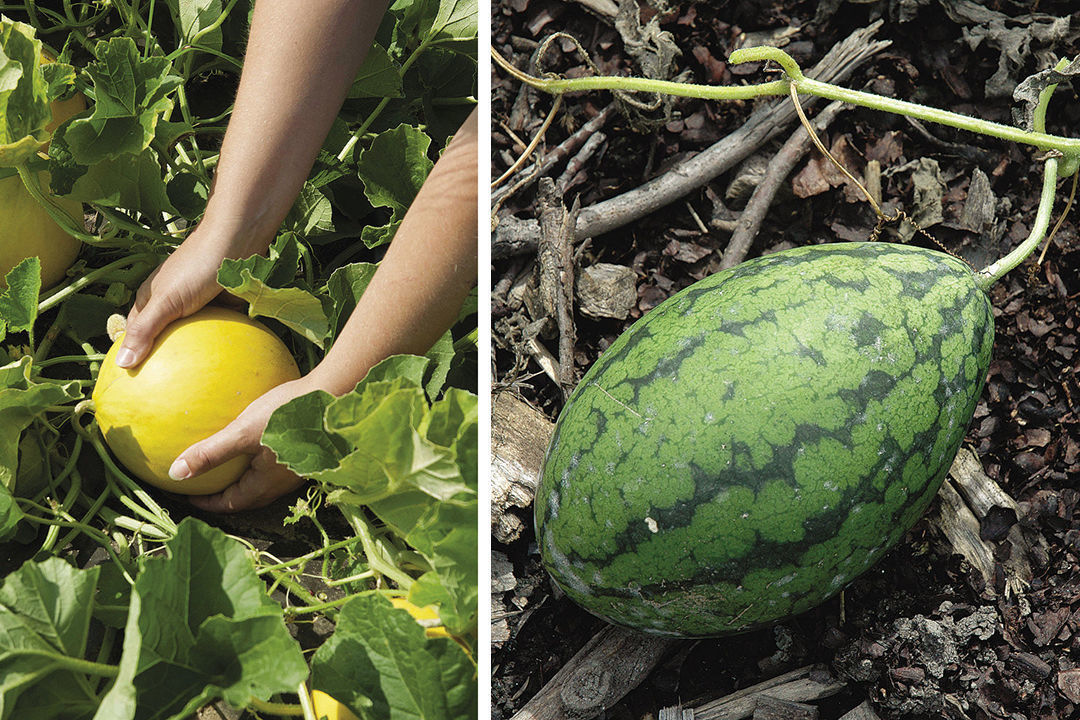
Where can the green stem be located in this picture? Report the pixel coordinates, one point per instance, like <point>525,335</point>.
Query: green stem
<point>79,665</point>
<point>60,359</point>
<point>303,559</point>
<point>119,481</point>
<point>62,293</point>
<point>92,511</point>
<point>101,538</point>
<point>298,590</point>
<point>273,708</point>
<point>125,223</point>
<point>293,611</point>
<point>379,558</point>
<point>382,103</point>
<point>70,498</point>
<point>214,25</point>
<point>1066,146</point>
<point>467,341</point>
<point>58,214</point>
<point>1070,147</point>
<point>993,272</point>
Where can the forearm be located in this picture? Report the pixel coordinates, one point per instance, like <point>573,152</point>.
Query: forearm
<point>297,71</point>
<point>418,290</point>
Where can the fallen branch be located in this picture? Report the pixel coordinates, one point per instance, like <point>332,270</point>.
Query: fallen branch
<point>611,664</point>
<point>749,223</point>
<point>556,285</point>
<point>801,685</point>
<point>513,235</point>
<point>519,436</point>
<point>966,502</point>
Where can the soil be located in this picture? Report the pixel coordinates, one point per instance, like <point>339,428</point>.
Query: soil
<point>920,635</point>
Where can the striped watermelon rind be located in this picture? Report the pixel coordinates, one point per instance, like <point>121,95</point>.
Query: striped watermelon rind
<point>761,438</point>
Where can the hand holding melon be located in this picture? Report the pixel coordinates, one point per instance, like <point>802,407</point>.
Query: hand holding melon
<point>202,372</point>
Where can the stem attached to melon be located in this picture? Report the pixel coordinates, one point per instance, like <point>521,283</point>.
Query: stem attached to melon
<point>993,272</point>
<point>67,223</point>
<point>119,481</point>
<point>1066,159</point>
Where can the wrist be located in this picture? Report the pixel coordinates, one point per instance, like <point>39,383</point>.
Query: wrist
<point>231,234</point>
<point>331,377</point>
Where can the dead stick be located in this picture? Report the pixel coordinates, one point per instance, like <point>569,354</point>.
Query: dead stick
<point>513,235</point>
<point>552,158</point>
<point>801,685</point>
<point>611,664</point>
<point>749,223</point>
<point>557,274</point>
<point>576,163</point>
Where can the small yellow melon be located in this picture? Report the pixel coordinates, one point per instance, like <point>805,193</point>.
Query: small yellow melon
<point>201,373</point>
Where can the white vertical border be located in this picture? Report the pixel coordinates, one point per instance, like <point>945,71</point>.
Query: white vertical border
<point>483,213</point>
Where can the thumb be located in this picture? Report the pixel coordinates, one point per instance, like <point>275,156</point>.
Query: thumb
<point>143,328</point>
<point>207,454</point>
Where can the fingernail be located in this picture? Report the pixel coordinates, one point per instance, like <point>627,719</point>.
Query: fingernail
<point>179,470</point>
<point>125,357</point>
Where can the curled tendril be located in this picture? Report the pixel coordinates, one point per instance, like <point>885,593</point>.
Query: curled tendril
<point>764,52</point>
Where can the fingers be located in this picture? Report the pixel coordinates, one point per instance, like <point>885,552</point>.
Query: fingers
<point>263,483</point>
<point>232,441</point>
<point>145,323</point>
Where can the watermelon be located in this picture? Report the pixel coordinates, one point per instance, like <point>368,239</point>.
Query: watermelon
<point>761,438</point>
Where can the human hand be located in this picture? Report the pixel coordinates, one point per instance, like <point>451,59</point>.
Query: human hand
<point>180,286</point>
<point>266,479</point>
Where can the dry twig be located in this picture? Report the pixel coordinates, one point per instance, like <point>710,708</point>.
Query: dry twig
<point>556,261</point>
<point>749,223</point>
<point>513,235</point>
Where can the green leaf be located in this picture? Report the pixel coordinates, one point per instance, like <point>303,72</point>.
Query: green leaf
<point>187,193</point>
<point>380,663</point>
<point>375,235</point>
<point>392,169</point>
<point>44,618</point>
<point>193,17</point>
<point>59,77</point>
<point>124,181</point>
<point>131,95</point>
<point>312,213</point>
<point>24,94</point>
<point>277,269</point>
<point>345,287</point>
<point>442,357</point>
<point>447,538</point>
<point>410,368</point>
<point>378,77</point>
<point>390,455</point>
<point>19,300</point>
<point>200,627</point>
<point>456,21</point>
<point>299,310</point>
<point>296,434</point>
